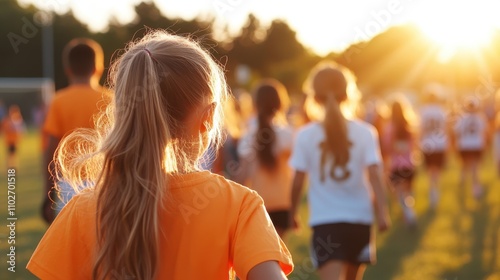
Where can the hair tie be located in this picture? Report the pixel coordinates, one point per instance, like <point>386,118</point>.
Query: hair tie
<point>148,52</point>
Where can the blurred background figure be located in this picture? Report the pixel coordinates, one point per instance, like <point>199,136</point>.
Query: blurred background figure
<point>399,140</point>
<point>496,133</point>
<point>3,110</point>
<point>265,149</point>
<point>471,132</point>
<point>375,112</point>
<point>12,126</point>
<point>434,142</point>
<point>75,106</point>
<point>226,160</point>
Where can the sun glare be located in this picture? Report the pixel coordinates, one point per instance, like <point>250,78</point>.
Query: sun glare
<point>458,25</point>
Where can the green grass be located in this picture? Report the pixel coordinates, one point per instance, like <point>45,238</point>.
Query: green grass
<point>460,240</point>
<point>29,190</point>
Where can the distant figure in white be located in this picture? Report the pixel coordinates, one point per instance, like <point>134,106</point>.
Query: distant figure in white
<point>433,140</point>
<point>470,132</point>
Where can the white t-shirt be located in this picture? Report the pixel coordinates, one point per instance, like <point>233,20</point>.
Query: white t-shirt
<point>273,186</point>
<point>470,130</point>
<point>433,136</point>
<point>333,201</point>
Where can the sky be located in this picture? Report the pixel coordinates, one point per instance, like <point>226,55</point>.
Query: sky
<point>321,25</point>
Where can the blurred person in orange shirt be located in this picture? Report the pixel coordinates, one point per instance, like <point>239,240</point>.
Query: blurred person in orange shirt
<point>12,127</point>
<point>73,107</point>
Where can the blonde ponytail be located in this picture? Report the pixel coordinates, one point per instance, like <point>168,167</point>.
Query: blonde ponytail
<point>336,143</point>
<point>329,84</point>
<point>157,82</point>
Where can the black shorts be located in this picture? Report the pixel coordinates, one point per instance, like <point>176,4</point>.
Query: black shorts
<point>344,242</point>
<point>402,174</point>
<point>12,149</point>
<point>471,154</point>
<point>280,218</point>
<point>434,159</point>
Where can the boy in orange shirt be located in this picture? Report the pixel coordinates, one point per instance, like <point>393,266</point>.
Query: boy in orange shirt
<point>151,213</point>
<point>73,107</point>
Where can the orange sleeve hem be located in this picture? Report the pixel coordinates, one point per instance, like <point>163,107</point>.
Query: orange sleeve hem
<point>285,262</point>
<point>40,272</point>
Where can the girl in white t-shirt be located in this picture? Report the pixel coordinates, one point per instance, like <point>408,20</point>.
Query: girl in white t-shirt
<point>342,160</point>
<point>470,132</point>
<point>265,149</point>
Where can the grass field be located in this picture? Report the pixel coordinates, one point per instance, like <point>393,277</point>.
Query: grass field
<point>460,240</point>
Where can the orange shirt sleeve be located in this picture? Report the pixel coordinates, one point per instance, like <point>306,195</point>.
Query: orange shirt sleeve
<point>63,253</point>
<point>52,124</point>
<point>255,239</point>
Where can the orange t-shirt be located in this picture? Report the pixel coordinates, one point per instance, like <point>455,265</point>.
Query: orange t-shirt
<point>274,186</point>
<point>213,226</point>
<point>74,107</point>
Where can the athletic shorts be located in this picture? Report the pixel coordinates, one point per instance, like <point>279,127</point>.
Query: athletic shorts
<point>280,218</point>
<point>471,154</point>
<point>434,159</point>
<point>402,174</point>
<point>344,242</point>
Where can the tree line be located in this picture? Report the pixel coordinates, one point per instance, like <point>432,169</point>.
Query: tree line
<point>400,57</point>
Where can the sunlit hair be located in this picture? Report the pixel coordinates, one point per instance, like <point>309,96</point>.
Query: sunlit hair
<point>139,144</point>
<point>329,85</point>
<point>401,127</point>
<point>402,115</point>
<point>271,100</point>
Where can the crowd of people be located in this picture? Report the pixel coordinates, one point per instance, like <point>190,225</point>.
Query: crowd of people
<point>144,179</point>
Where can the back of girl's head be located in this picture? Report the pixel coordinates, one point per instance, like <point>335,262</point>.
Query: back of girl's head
<point>402,117</point>
<point>399,121</point>
<point>270,99</point>
<point>331,84</point>
<point>158,82</point>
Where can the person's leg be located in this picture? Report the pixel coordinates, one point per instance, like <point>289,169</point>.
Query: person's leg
<point>465,170</point>
<point>408,202</point>
<point>477,190</point>
<point>11,158</point>
<point>433,186</point>
<point>331,270</point>
<point>354,271</point>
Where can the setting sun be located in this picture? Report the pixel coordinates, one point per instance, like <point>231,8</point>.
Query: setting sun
<point>455,26</point>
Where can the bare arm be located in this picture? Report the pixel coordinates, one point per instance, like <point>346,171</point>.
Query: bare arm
<point>48,155</point>
<point>269,270</point>
<point>297,186</point>
<point>379,191</point>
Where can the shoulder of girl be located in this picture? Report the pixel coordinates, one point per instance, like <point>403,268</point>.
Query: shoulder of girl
<point>83,200</point>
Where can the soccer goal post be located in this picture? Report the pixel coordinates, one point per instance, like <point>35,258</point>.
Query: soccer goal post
<point>32,95</point>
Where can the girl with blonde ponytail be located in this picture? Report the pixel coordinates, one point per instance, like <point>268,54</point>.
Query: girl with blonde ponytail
<point>342,159</point>
<point>151,213</point>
